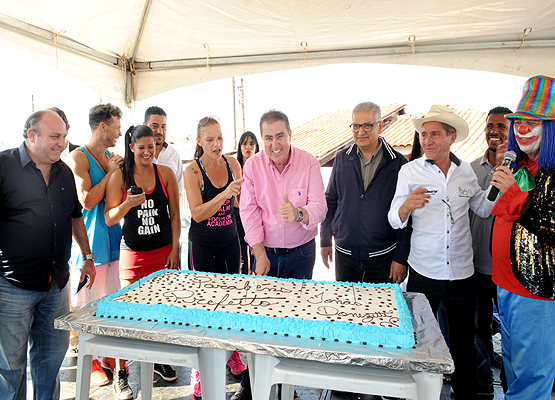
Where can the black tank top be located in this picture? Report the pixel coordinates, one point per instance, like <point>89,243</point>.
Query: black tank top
<point>220,227</point>
<point>148,226</point>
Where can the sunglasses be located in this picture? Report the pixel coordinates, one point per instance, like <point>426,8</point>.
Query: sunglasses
<point>205,120</point>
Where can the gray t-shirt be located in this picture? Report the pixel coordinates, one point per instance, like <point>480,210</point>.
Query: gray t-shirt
<point>480,228</point>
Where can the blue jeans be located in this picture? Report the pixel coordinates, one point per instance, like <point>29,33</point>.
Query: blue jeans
<point>28,317</point>
<point>527,335</point>
<point>486,295</point>
<point>297,264</point>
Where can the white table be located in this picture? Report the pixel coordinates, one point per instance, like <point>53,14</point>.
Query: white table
<point>207,349</point>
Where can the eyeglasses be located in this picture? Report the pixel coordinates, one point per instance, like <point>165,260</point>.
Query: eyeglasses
<point>205,120</point>
<point>366,127</point>
<point>446,202</point>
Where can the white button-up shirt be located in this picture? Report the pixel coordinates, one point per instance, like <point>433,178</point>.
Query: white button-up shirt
<point>170,158</point>
<point>441,244</point>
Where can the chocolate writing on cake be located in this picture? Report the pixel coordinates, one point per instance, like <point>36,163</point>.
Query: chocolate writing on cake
<point>273,298</point>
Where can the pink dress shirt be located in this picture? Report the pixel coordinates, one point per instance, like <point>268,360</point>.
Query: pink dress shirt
<point>262,194</point>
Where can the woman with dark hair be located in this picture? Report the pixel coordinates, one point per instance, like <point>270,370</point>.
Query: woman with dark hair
<point>141,194</point>
<point>247,146</point>
<point>146,196</point>
<point>211,183</point>
<point>416,148</point>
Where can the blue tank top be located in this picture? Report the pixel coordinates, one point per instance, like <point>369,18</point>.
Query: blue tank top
<point>104,240</point>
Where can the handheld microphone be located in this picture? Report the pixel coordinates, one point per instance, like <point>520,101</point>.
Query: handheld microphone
<point>508,159</point>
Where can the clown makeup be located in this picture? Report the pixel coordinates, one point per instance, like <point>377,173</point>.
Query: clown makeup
<point>528,134</point>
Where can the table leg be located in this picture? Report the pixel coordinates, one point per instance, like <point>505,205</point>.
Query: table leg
<point>428,385</point>
<point>213,372</point>
<point>147,375</point>
<point>263,369</point>
<point>84,362</point>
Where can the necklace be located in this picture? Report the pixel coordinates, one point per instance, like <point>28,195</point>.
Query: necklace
<point>219,182</point>
<point>97,160</point>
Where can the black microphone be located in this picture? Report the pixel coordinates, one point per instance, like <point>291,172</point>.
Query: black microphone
<point>508,159</point>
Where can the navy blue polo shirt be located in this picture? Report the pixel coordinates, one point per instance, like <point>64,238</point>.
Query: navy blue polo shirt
<point>35,221</point>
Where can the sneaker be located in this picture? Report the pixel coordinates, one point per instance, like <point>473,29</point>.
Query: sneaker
<point>98,376</point>
<point>121,386</point>
<point>236,366</point>
<point>109,364</point>
<point>195,383</point>
<point>166,372</point>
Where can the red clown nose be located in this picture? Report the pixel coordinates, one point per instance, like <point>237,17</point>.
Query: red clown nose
<point>523,129</point>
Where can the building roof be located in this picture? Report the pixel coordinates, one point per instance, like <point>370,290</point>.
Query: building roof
<point>327,134</point>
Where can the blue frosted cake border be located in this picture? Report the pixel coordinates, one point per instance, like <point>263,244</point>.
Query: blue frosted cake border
<point>402,337</point>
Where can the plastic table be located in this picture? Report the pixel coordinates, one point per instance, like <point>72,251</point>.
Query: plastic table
<point>208,349</point>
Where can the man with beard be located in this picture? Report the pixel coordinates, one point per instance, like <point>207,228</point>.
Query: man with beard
<point>524,245</point>
<point>92,166</point>
<point>496,133</point>
<point>164,154</point>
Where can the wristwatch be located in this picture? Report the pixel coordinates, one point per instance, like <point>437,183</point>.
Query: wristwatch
<point>89,256</point>
<point>300,215</point>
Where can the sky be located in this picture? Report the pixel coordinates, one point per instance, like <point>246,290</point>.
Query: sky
<point>27,85</point>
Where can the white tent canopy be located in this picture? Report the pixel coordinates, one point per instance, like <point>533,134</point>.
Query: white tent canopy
<point>134,49</point>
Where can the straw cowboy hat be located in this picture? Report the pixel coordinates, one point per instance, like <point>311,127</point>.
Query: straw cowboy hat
<point>446,115</point>
<point>538,99</point>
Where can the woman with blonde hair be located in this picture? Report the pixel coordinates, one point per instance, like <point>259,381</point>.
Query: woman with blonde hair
<point>212,183</point>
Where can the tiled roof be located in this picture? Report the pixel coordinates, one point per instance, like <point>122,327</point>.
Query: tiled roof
<point>475,144</point>
<point>324,136</point>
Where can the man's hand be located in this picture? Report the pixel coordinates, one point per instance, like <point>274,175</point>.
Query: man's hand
<point>417,199</point>
<point>327,255</point>
<point>287,210</point>
<point>398,272</point>
<point>262,262</point>
<point>88,269</point>
<point>115,162</point>
<point>503,179</point>
<point>262,265</point>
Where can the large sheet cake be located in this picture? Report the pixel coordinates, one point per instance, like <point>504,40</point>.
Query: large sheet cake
<point>347,312</point>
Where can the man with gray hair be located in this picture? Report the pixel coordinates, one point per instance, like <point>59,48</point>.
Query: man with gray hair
<point>359,193</point>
